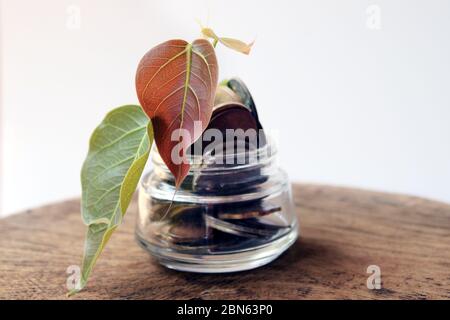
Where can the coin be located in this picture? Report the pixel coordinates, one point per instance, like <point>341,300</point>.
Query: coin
<point>228,116</point>
<point>240,88</point>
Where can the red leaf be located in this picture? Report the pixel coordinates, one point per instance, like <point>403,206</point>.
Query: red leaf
<point>176,83</point>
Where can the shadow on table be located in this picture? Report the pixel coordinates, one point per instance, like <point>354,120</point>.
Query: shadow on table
<point>297,258</point>
<point>292,274</point>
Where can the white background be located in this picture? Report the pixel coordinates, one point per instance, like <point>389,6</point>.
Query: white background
<point>354,105</point>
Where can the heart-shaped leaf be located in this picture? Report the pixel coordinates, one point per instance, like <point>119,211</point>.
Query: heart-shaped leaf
<point>118,152</point>
<point>176,83</point>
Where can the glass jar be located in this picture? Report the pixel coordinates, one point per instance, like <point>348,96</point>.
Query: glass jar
<point>224,217</point>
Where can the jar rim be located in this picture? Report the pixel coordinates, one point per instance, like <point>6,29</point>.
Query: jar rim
<point>256,157</point>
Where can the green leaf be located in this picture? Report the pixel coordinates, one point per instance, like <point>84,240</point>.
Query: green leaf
<point>119,149</point>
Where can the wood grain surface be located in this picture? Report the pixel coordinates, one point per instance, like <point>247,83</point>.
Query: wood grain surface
<point>342,232</point>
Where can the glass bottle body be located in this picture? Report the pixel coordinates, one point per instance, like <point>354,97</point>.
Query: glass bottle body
<point>229,215</point>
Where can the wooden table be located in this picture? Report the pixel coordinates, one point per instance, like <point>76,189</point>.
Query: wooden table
<point>343,231</point>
